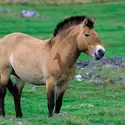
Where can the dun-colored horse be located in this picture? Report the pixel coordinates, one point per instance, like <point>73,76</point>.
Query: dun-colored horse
<point>50,62</point>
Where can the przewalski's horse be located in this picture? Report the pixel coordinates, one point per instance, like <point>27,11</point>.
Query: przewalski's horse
<point>50,62</point>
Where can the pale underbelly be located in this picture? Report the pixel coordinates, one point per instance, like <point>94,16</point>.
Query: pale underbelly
<point>35,79</point>
<point>33,76</point>
<point>28,69</point>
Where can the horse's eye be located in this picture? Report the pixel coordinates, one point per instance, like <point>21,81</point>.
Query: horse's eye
<point>87,35</point>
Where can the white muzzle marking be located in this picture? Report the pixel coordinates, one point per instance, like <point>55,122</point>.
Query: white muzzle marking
<point>98,52</point>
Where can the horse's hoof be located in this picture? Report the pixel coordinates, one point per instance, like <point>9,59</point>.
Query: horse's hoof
<point>19,115</point>
<point>65,113</point>
<point>50,116</point>
<point>2,114</point>
<point>57,114</point>
<point>62,114</point>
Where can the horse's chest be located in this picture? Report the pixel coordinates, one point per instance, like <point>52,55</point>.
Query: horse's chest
<point>60,69</point>
<point>62,79</point>
<point>64,75</point>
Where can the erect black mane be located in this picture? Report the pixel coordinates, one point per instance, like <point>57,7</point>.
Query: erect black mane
<point>71,21</point>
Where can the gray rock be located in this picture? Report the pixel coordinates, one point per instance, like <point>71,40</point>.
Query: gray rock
<point>82,68</point>
<point>112,62</point>
<point>79,77</point>
<point>96,81</point>
<point>20,123</point>
<point>33,89</point>
<point>78,66</point>
<point>104,77</point>
<point>95,75</point>
<point>122,64</point>
<point>92,74</point>
<point>91,64</point>
<point>86,75</point>
<point>109,66</point>
<point>116,78</point>
<point>123,81</point>
<point>44,16</point>
<point>4,10</point>
<point>29,13</point>
<point>25,1</point>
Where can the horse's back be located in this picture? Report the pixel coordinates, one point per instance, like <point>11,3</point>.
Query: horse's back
<point>12,41</point>
<point>15,38</point>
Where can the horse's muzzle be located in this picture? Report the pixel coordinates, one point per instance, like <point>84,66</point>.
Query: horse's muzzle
<point>99,54</point>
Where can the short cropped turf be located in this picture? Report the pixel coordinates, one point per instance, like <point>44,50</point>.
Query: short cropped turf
<point>84,103</point>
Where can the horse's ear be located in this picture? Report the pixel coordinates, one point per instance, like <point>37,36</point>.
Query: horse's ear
<point>94,21</point>
<point>84,23</point>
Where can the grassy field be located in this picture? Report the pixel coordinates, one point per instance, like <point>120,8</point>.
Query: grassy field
<point>50,2</point>
<point>84,103</point>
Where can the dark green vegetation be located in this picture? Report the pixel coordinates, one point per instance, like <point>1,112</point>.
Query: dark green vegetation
<point>84,102</point>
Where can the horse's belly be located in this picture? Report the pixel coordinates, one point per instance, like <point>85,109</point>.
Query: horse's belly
<point>31,77</point>
<point>28,72</point>
<point>28,68</point>
<point>36,80</point>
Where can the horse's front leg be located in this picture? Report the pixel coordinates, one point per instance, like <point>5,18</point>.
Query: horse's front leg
<point>50,88</point>
<point>60,90</point>
<point>59,97</point>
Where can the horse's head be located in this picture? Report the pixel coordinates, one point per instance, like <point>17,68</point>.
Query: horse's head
<point>88,41</point>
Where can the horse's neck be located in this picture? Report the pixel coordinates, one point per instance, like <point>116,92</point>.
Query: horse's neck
<point>66,47</point>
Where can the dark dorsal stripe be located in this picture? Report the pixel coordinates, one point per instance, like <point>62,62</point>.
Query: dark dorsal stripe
<point>71,21</point>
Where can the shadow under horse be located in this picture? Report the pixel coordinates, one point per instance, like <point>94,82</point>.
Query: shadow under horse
<point>48,62</point>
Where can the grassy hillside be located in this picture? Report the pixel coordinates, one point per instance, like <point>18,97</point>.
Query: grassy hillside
<point>84,103</point>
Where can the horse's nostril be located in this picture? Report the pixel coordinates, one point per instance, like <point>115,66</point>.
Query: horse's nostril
<point>101,52</point>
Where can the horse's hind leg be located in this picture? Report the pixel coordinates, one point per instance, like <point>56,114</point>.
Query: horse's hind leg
<point>2,95</point>
<point>5,74</point>
<point>16,91</point>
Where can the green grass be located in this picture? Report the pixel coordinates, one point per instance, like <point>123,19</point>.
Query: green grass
<point>51,2</point>
<point>84,103</point>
